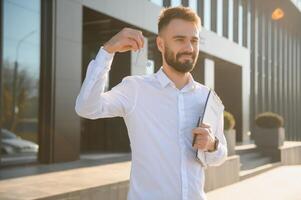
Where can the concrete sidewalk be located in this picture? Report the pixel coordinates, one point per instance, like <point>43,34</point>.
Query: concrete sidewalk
<point>282,183</point>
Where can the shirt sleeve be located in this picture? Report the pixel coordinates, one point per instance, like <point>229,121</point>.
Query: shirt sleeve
<point>93,103</point>
<point>218,157</point>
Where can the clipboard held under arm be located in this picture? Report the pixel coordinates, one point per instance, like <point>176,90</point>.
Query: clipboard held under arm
<point>212,112</point>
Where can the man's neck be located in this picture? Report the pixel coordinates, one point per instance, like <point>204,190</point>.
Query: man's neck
<point>178,78</point>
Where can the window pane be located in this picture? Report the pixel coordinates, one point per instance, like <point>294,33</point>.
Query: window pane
<point>219,17</point>
<point>20,75</point>
<point>230,20</point>
<point>158,2</point>
<point>175,2</point>
<point>240,23</point>
<point>193,4</point>
<point>207,14</point>
<point>249,24</point>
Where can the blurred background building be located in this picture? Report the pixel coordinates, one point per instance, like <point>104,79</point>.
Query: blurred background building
<point>249,53</point>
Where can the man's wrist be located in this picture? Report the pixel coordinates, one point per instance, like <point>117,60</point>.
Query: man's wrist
<point>213,146</point>
<point>108,48</point>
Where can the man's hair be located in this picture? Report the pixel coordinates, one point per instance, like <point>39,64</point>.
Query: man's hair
<point>180,12</point>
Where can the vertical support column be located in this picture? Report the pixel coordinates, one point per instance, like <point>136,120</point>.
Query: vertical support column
<point>230,19</point>
<point>268,66</point>
<point>1,38</point>
<point>225,18</point>
<point>207,15</point>
<point>214,15</point>
<point>246,89</point>
<point>219,17</point>
<point>280,70</point>
<point>47,84</point>
<point>185,3</point>
<point>284,75</point>
<point>288,77</point>
<point>240,22</point>
<point>275,67</point>
<point>299,84</point>
<point>245,23</point>
<point>254,63</point>
<point>68,70</point>
<point>235,20</point>
<point>209,73</point>
<point>295,91</point>
<point>247,9</point>
<point>262,61</point>
<point>259,59</point>
<point>200,10</point>
<point>289,119</point>
<point>166,3</point>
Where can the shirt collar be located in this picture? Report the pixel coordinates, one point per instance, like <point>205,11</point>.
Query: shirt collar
<point>164,81</point>
<point>162,78</point>
<point>190,86</point>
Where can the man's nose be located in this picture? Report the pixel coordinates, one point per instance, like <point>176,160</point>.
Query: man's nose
<point>188,47</point>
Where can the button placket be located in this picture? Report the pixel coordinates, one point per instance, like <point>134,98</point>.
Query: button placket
<point>181,135</point>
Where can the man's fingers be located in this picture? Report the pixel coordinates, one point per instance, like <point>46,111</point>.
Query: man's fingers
<point>201,130</point>
<point>199,133</point>
<point>200,144</point>
<point>204,125</point>
<point>137,36</point>
<point>134,44</point>
<point>130,45</point>
<point>125,40</point>
<point>141,38</point>
<point>137,40</point>
<point>201,138</point>
<point>201,141</point>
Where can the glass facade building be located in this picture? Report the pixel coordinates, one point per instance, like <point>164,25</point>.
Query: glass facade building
<point>20,78</point>
<point>46,46</point>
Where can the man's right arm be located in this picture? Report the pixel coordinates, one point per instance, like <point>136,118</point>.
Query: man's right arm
<point>92,102</point>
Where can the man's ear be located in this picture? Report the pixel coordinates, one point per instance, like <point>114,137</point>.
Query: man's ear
<point>160,44</point>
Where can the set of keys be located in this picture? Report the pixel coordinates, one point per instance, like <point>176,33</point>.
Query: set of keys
<point>148,62</point>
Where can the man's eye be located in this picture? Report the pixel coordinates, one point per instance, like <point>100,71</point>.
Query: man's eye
<point>180,39</point>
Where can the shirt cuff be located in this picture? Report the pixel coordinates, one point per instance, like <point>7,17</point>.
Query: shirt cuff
<point>217,157</point>
<point>103,61</point>
<point>216,152</point>
<point>103,56</point>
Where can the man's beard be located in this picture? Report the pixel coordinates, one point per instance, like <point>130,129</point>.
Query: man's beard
<point>174,60</point>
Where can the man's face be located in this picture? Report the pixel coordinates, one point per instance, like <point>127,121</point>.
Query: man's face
<point>180,45</point>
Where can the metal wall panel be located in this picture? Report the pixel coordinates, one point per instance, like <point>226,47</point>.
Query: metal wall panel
<point>275,64</point>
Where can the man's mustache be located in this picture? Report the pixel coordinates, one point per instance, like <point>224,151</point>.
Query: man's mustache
<point>186,54</point>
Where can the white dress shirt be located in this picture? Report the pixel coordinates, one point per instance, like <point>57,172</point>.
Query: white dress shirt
<point>159,119</point>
